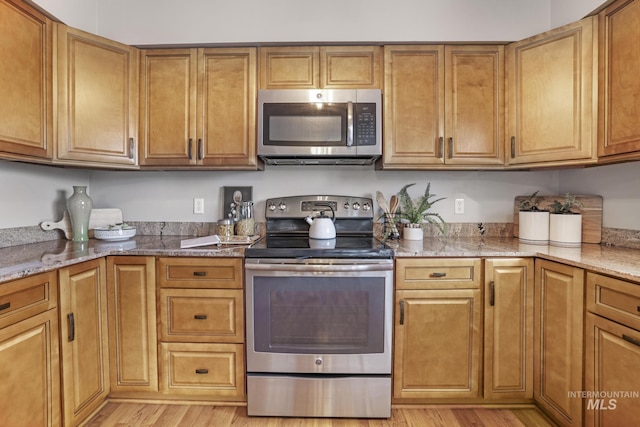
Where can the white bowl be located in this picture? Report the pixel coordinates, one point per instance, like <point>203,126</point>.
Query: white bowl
<point>114,234</point>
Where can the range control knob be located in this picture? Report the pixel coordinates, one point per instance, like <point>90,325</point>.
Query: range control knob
<point>282,206</point>
<point>272,207</point>
<point>366,206</point>
<point>347,206</point>
<point>356,206</point>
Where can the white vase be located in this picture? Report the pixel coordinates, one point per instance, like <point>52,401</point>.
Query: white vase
<point>410,233</point>
<point>565,230</point>
<point>533,227</point>
<point>79,206</point>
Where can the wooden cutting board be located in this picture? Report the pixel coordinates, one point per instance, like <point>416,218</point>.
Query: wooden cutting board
<point>98,218</point>
<point>591,215</point>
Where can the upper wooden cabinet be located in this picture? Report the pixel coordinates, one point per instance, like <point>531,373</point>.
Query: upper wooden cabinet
<point>619,112</point>
<point>552,97</point>
<point>316,67</point>
<point>97,100</point>
<point>26,106</point>
<point>443,105</point>
<point>198,108</point>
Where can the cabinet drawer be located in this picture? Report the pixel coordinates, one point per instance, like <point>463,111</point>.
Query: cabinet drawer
<point>200,272</point>
<point>27,297</point>
<point>201,315</point>
<point>438,273</point>
<point>615,299</point>
<point>212,370</point>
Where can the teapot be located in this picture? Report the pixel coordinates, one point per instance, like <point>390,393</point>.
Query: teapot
<point>322,226</point>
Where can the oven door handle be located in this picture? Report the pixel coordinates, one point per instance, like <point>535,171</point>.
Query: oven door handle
<point>321,268</point>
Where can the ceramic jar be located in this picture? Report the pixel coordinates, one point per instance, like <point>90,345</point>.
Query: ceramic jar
<point>79,206</point>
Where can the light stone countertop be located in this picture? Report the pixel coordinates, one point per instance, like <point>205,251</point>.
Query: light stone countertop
<point>23,260</point>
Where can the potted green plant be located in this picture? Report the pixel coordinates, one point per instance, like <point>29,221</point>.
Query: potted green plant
<point>565,222</point>
<point>533,224</point>
<point>415,212</point>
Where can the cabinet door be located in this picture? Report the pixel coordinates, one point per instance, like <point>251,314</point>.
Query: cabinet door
<point>226,110</point>
<point>351,67</point>
<point>83,343</point>
<point>30,386</point>
<point>558,340</point>
<point>612,365</point>
<point>437,344</point>
<point>290,67</point>
<point>619,113</point>
<point>26,108</point>
<point>474,105</point>
<point>551,98</point>
<point>168,107</point>
<point>97,100</point>
<point>508,329</point>
<point>133,348</point>
<point>413,107</point>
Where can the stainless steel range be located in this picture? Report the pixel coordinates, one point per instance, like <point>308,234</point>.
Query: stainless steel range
<point>319,313</point>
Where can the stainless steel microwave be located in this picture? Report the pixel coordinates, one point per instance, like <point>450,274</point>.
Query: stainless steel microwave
<point>316,126</point>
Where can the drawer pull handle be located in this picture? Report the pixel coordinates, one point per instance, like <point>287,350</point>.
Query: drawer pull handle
<point>5,306</point>
<point>200,316</point>
<point>402,312</point>
<point>631,340</point>
<point>438,274</point>
<point>72,327</point>
<point>638,308</point>
<point>202,371</point>
<point>200,273</point>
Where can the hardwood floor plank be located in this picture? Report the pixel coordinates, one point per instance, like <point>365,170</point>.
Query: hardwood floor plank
<point>132,414</point>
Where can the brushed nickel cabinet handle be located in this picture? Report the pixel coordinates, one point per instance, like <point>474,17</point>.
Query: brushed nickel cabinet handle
<point>513,147</point>
<point>441,150</point>
<point>131,147</point>
<point>438,274</point>
<point>402,312</point>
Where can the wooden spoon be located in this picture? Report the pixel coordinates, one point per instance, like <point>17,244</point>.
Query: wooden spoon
<point>382,202</point>
<point>393,204</point>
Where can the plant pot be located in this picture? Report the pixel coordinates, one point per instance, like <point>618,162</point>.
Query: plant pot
<point>533,227</point>
<point>565,230</point>
<point>412,233</point>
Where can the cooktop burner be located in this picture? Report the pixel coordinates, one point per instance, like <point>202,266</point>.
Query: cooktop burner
<point>304,247</point>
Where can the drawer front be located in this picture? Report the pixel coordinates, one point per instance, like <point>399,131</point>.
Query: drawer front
<point>213,370</point>
<point>202,315</point>
<point>614,299</point>
<point>221,273</point>
<point>438,273</point>
<point>23,298</point>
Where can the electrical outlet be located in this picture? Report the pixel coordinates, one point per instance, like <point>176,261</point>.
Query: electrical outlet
<point>459,207</point>
<point>198,206</point>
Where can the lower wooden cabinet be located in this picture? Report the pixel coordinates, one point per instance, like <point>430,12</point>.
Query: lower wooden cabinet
<point>438,332</point>
<point>558,342</point>
<point>83,344</point>
<point>508,328</point>
<point>131,289</point>
<point>29,358</point>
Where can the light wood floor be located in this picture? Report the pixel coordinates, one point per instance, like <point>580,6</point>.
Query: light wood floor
<point>117,414</point>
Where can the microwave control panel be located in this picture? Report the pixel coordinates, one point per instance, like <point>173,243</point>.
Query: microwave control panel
<point>365,120</point>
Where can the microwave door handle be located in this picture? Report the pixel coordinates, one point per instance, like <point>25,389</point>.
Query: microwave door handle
<point>349,124</point>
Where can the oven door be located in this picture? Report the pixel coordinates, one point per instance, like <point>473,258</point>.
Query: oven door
<point>319,316</point>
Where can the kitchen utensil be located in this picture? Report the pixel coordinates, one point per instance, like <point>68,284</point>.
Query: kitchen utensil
<point>394,202</point>
<point>114,234</point>
<point>322,227</point>
<point>98,218</point>
<point>389,214</point>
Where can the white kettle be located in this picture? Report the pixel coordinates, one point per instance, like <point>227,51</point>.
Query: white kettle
<point>322,227</point>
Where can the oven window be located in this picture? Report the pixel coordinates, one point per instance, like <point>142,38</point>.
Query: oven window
<point>319,314</point>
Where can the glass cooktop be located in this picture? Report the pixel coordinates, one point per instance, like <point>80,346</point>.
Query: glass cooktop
<point>304,247</point>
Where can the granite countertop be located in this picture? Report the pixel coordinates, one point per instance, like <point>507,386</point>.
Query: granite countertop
<point>23,260</point>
